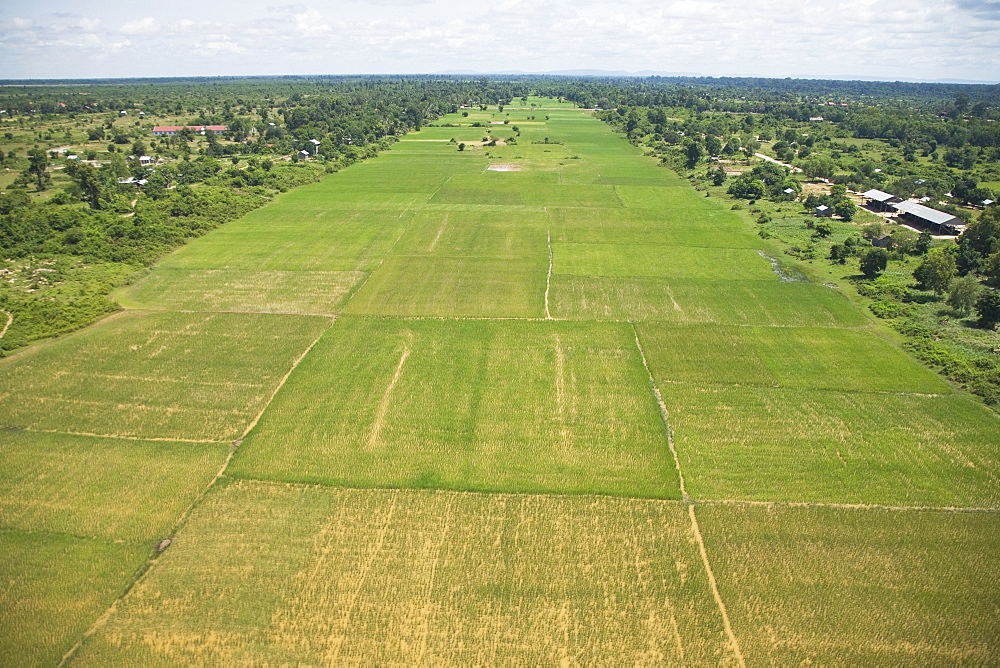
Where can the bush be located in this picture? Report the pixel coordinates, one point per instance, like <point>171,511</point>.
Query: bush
<point>874,262</point>
<point>988,307</point>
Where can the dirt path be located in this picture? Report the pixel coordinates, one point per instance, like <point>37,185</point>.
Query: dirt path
<point>734,643</point>
<point>437,238</point>
<point>777,162</point>
<point>10,319</point>
<point>383,406</point>
<point>548,278</point>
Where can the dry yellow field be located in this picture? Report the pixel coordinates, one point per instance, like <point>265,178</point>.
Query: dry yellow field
<point>292,574</point>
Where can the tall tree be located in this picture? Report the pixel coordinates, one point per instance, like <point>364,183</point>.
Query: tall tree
<point>38,163</point>
<point>89,181</point>
<point>936,271</point>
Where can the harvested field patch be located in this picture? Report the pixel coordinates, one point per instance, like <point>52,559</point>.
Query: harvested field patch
<point>54,587</point>
<point>176,376</point>
<point>824,586</point>
<point>410,577</point>
<point>308,292</point>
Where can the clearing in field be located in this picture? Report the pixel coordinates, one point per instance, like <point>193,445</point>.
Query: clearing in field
<point>822,586</point>
<point>840,447</point>
<point>175,376</point>
<point>470,579</point>
<point>479,405</point>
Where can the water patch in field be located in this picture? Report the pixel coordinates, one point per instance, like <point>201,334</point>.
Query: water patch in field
<point>786,274</point>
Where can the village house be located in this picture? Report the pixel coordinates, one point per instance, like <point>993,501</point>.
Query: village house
<point>171,130</point>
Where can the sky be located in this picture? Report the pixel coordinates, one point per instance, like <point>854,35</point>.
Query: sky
<point>925,40</point>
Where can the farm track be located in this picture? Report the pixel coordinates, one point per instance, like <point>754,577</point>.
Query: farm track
<point>734,643</point>
<point>10,319</point>
<point>548,277</point>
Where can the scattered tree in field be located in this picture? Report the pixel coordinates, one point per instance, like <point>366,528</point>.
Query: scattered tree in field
<point>963,293</point>
<point>747,187</point>
<point>461,146</point>
<point>845,208</point>
<point>988,307</point>
<point>874,262</point>
<point>924,242</point>
<point>873,231</point>
<point>980,240</point>
<point>904,240</point>
<point>713,145</point>
<point>822,230</point>
<point>936,271</point>
<point>38,163</point>
<point>694,152</point>
<point>819,167</point>
<point>88,180</point>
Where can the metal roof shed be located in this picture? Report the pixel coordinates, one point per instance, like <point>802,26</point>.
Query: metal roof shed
<point>928,216</point>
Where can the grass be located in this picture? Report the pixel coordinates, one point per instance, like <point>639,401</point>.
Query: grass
<point>769,303</point>
<point>455,286</point>
<point>331,538</point>
<point>244,290</point>
<point>177,376</point>
<point>843,447</point>
<point>819,358</point>
<point>648,260</point>
<point>293,238</point>
<point>823,586</point>
<point>100,488</point>
<point>644,226</point>
<point>458,578</point>
<point>55,586</point>
<point>476,233</point>
<point>505,406</point>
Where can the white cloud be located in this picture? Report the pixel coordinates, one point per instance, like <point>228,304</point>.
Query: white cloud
<point>143,26</point>
<point>88,25</point>
<point>919,39</point>
<point>18,23</point>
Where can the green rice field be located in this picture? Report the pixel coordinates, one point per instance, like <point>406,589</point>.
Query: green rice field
<point>539,403</point>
